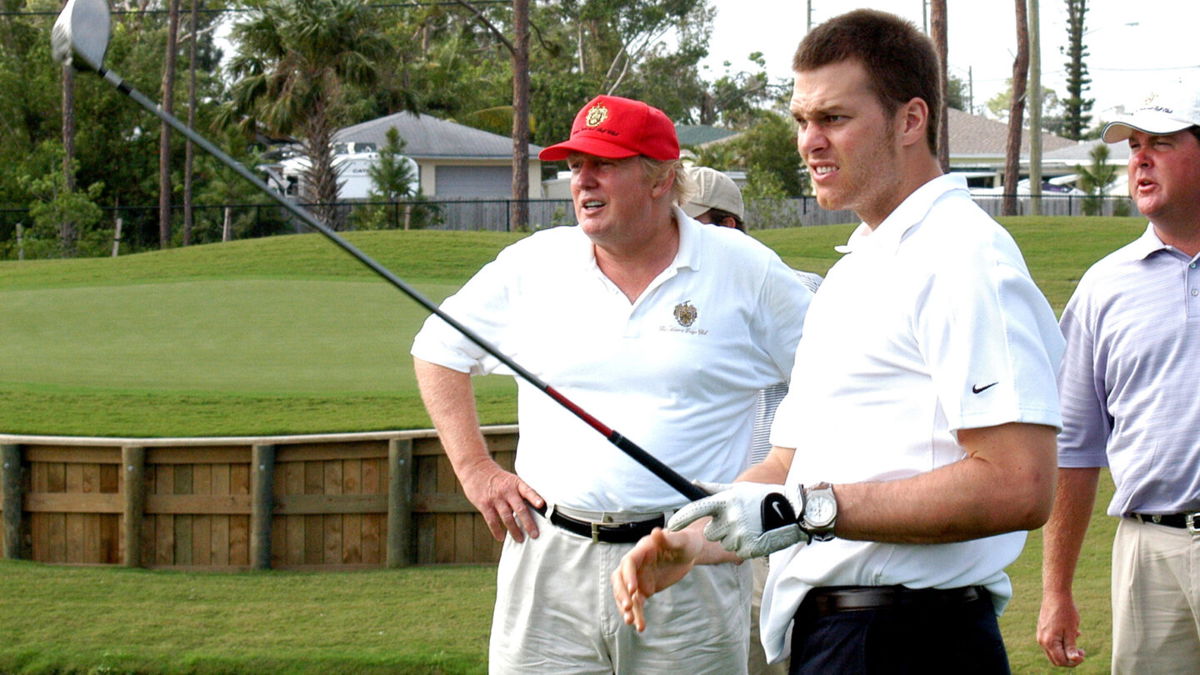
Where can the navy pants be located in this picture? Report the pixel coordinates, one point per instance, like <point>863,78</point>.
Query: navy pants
<point>902,639</point>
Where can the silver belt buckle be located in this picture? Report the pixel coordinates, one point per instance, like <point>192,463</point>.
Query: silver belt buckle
<point>1190,519</point>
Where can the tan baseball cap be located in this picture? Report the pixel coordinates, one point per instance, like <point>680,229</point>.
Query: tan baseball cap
<point>715,190</point>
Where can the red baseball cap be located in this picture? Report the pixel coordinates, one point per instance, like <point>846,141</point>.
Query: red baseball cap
<point>615,128</point>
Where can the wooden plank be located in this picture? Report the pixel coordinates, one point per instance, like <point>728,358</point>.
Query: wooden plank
<point>314,478</point>
<point>133,502</point>
<point>90,479</point>
<point>443,538</point>
<point>199,504</point>
<point>425,537</point>
<point>295,540</point>
<point>149,541</point>
<point>324,452</point>
<point>183,480</point>
<point>202,540</point>
<point>262,503</point>
<point>314,544</point>
<point>239,540</point>
<point>202,523</point>
<point>66,502</point>
<point>278,541</point>
<point>164,544</point>
<point>373,528</point>
<point>74,533</point>
<point>352,476</point>
<point>352,526</point>
<point>90,522</point>
<point>307,505</point>
<point>239,479</point>
<point>164,524</point>
<point>57,551</point>
<point>110,478</point>
<point>74,478</point>
<point>56,477</point>
<point>372,482</point>
<point>220,480</point>
<point>441,503</point>
<point>333,539</point>
<point>464,537</point>
<point>234,454</point>
<point>220,541</point>
<point>72,455</point>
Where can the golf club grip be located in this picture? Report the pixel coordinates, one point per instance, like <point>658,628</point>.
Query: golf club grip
<point>664,472</point>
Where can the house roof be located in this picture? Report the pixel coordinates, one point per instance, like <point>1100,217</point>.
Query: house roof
<point>975,136</point>
<point>1081,153</point>
<point>427,137</point>
<point>701,134</point>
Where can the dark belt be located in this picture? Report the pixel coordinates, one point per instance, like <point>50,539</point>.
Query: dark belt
<point>609,533</point>
<point>820,602</point>
<point>1184,521</point>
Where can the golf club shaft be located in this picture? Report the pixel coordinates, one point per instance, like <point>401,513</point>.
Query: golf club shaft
<point>664,472</point>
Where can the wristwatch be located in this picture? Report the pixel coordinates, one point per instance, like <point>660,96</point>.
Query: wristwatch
<point>820,512</point>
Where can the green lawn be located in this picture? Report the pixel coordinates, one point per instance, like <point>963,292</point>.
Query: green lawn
<point>290,335</point>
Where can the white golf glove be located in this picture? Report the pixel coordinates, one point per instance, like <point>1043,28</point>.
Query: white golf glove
<point>748,519</point>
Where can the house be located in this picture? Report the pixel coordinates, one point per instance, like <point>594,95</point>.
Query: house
<point>453,161</point>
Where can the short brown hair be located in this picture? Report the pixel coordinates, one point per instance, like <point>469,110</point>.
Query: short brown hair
<point>900,61</point>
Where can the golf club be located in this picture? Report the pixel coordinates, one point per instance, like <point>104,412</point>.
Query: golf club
<point>80,39</point>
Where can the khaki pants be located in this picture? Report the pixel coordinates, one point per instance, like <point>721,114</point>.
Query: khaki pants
<point>758,658</point>
<point>1155,599</point>
<point>555,613</point>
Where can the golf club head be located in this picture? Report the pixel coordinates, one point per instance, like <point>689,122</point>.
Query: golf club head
<point>80,35</point>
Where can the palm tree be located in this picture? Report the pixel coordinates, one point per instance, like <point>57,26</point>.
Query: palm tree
<point>295,60</point>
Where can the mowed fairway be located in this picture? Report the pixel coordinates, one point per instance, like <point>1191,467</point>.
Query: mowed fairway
<point>282,335</point>
<point>290,335</point>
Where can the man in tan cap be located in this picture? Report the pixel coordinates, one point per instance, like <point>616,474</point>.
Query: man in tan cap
<point>644,317</point>
<point>717,200</point>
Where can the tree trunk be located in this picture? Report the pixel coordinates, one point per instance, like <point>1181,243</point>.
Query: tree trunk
<point>164,142</point>
<point>519,209</point>
<point>1012,157</point>
<point>67,234</point>
<point>940,37</point>
<point>189,151</point>
<point>321,177</point>
<point>1035,110</point>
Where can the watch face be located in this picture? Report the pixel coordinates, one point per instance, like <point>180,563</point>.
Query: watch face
<point>820,510</point>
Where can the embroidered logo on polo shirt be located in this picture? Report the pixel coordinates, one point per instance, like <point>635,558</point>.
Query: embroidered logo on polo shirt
<point>597,115</point>
<point>686,313</point>
<point>976,389</point>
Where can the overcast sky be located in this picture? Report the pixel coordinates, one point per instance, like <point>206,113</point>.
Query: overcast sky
<point>1123,59</point>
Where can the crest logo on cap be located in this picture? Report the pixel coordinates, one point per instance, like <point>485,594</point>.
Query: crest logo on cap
<point>597,115</point>
<point>686,313</point>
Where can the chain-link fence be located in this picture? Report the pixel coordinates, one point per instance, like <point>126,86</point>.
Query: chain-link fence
<point>130,229</point>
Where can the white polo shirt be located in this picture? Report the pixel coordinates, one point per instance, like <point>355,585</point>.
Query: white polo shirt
<point>676,372</point>
<point>929,324</point>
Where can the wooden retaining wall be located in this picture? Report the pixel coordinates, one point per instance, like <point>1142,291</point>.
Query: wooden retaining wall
<point>339,501</point>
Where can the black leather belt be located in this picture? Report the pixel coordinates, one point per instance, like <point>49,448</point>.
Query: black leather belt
<point>609,533</point>
<point>820,602</point>
<point>1184,521</point>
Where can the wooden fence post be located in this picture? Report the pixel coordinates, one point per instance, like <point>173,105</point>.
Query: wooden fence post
<point>399,519</point>
<point>133,462</point>
<point>262,504</point>
<point>10,460</point>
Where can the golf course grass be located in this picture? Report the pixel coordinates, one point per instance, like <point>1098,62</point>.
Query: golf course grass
<point>290,335</point>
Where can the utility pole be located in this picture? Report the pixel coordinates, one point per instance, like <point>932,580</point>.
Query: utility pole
<point>1035,110</point>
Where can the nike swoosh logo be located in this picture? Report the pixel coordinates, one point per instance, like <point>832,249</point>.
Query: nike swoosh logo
<point>976,389</point>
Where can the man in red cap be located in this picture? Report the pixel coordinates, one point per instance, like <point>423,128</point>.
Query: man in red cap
<point>653,322</point>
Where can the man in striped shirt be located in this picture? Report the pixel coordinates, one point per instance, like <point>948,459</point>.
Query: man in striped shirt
<point>1128,385</point>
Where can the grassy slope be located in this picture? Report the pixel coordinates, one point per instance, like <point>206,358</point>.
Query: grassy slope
<point>1058,250</point>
